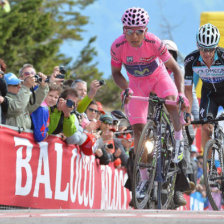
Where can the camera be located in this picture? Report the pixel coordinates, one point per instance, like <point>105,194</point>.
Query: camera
<point>60,76</point>
<point>70,103</point>
<point>38,78</point>
<point>110,146</point>
<point>62,70</point>
<point>102,82</point>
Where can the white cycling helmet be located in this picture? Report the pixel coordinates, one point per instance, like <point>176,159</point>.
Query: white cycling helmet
<point>135,16</point>
<point>170,45</point>
<point>208,36</point>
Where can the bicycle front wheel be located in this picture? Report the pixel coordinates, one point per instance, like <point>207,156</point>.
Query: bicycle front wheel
<point>169,172</point>
<point>213,176</point>
<point>145,158</point>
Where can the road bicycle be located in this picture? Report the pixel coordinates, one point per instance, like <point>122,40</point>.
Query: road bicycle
<point>213,162</point>
<point>154,153</point>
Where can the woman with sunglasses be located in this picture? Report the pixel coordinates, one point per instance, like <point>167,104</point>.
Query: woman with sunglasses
<point>92,111</point>
<point>145,59</point>
<point>206,63</point>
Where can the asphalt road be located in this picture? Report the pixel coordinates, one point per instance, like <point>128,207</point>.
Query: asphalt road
<point>110,216</point>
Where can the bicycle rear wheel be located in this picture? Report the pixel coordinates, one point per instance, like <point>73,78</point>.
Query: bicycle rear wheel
<point>146,158</point>
<point>214,180</point>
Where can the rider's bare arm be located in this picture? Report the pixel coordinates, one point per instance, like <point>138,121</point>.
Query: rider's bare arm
<point>188,94</point>
<point>118,77</point>
<point>172,65</point>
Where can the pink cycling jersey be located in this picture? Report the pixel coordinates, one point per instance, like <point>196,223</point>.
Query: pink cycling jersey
<point>146,71</point>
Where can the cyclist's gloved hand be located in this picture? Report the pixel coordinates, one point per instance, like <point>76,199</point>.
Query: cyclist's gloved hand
<point>187,118</point>
<point>185,99</point>
<point>125,94</point>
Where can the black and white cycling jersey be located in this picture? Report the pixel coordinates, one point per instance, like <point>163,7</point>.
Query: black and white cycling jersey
<point>213,77</point>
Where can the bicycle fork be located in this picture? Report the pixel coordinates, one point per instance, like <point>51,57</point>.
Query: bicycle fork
<point>158,179</point>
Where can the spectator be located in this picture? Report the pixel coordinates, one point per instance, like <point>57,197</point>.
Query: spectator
<point>14,102</point>
<point>81,87</point>
<point>89,120</point>
<point>87,142</point>
<point>21,103</point>
<point>123,129</point>
<point>84,98</point>
<point>53,95</point>
<point>125,135</point>
<point>200,166</point>
<point>193,159</point>
<point>111,148</point>
<point>92,111</point>
<point>40,117</point>
<point>3,91</point>
<point>62,120</point>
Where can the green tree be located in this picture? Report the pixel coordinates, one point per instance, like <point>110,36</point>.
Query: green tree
<point>34,30</point>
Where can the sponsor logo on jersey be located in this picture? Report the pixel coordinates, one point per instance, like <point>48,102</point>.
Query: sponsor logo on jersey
<point>113,52</point>
<point>164,50</point>
<point>115,59</point>
<point>141,73</point>
<point>202,112</point>
<point>188,60</point>
<point>188,82</point>
<point>160,46</point>
<point>141,70</point>
<point>119,44</point>
<point>147,59</point>
<point>150,41</point>
<point>129,59</point>
<point>212,75</point>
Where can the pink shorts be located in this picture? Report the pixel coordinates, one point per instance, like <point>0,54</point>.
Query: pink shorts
<point>161,84</point>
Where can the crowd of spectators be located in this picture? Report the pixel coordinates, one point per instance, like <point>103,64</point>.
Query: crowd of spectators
<point>52,105</point>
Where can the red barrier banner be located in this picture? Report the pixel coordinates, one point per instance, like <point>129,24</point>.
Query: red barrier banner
<point>52,175</point>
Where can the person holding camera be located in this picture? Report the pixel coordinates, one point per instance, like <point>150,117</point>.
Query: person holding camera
<point>84,98</point>
<point>62,118</point>
<point>110,148</point>
<point>22,98</point>
<point>58,75</point>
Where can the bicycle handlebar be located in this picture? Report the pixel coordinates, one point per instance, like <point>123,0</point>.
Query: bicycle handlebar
<point>154,98</point>
<point>208,120</point>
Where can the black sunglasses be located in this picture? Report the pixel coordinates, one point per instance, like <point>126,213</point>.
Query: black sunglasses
<point>93,110</point>
<point>107,122</point>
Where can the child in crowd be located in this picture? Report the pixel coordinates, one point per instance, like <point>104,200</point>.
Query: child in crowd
<point>41,116</point>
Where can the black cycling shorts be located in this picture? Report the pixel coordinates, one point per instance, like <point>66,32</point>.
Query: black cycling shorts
<point>210,101</point>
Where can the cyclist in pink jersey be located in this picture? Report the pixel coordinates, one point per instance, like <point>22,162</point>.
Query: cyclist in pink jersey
<point>145,59</point>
